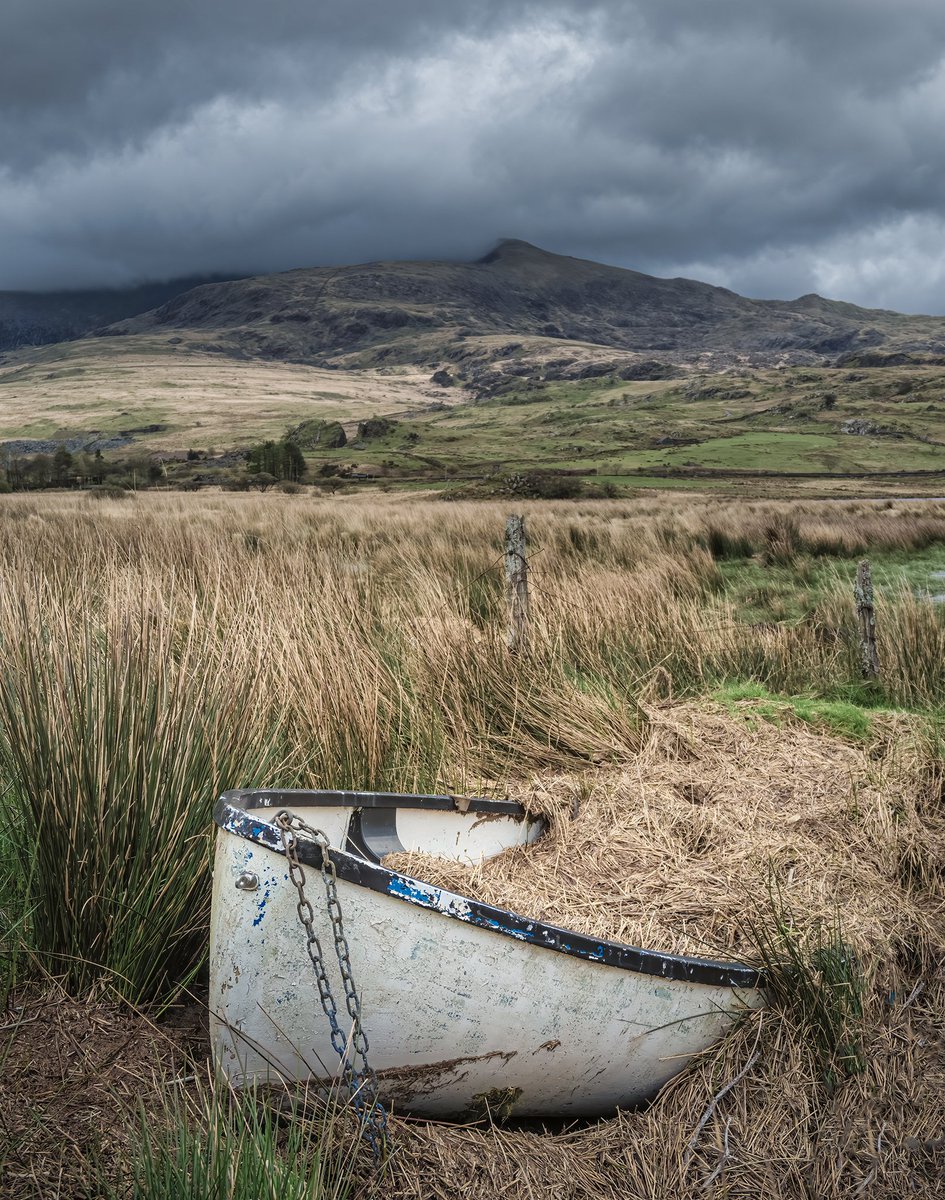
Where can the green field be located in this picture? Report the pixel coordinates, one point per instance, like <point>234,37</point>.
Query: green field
<point>739,428</point>
<point>673,429</point>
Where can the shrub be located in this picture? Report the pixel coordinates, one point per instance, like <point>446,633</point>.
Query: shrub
<point>558,487</point>
<point>109,491</point>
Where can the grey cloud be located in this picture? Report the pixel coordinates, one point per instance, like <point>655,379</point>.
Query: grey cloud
<point>92,72</point>
<point>772,147</point>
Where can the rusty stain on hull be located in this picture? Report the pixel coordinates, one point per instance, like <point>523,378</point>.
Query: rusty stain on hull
<point>401,1085</point>
<point>448,981</point>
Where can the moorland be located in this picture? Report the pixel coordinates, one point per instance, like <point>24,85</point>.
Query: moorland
<point>689,711</point>
<point>525,364</point>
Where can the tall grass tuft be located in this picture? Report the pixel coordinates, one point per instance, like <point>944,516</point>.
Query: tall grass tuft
<point>817,980</point>
<point>121,723</point>
<point>225,1145</point>
<point>16,877</point>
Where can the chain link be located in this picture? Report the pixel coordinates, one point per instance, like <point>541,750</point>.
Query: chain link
<point>360,1080</point>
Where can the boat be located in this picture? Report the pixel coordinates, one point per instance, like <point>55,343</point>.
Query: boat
<point>466,1008</point>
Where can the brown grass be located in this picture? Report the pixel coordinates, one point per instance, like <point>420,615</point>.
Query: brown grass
<point>778,1132</point>
<point>73,1076</point>
<point>203,398</point>
<point>666,851</point>
<point>670,852</point>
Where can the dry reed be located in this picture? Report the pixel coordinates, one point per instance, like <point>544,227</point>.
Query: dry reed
<point>673,852</point>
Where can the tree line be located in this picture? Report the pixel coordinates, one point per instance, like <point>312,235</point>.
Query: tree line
<point>265,464</point>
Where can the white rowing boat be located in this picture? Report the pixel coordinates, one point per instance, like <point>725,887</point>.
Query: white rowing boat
<point>464,1006</point>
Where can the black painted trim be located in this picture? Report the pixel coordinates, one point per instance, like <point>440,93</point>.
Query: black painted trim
<point>250,799</point>
<point>360,871</point>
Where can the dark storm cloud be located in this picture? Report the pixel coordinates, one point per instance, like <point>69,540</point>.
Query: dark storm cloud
<point>774,146</point>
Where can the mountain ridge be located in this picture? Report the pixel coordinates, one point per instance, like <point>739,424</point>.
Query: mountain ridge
<point>523,362</point>
<point>370,314</point>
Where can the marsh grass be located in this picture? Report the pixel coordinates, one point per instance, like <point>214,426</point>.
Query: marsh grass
<point>217,1144</point>
<point>152,654</point>
<point>120,725</point>
<point>16,897</point>
<point>814,977</point>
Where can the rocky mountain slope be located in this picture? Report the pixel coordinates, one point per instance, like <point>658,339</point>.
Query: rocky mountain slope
<point>564,311</point>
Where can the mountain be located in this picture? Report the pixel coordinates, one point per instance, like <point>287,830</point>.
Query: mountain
<point>41,318</point>
<point>432,313</point>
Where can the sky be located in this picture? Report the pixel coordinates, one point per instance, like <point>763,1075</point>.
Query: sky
<point>775,147</point>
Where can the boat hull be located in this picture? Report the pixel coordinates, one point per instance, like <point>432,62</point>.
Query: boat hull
<point>465,1008</point>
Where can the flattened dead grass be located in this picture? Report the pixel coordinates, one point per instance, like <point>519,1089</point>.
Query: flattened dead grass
<point>73,1075</point>
<point>671,850</point>
<point>666,851</point>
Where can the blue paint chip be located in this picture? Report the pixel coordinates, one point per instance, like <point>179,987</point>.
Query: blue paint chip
<point>410,891</point>
<point>261,905</point>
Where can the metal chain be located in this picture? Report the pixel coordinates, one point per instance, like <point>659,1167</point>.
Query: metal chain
<point>361,1082</point>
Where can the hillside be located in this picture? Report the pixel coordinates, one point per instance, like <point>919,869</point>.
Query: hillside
<point>42,318</point>
<point>524,362</point>
<point>555,307</point>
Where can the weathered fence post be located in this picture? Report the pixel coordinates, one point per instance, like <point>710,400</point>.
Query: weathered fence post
<point>516,579</point>
<point>866,615</point>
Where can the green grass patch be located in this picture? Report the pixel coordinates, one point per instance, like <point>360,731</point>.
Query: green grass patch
<point>923,571</point>
<point>777,592</point>
<point>793,591</point>
<point>767,451</point>
<point>226,1145</point>
<point>841,717</point>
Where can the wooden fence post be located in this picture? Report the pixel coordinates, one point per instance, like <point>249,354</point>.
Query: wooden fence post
<point>866,615</point>
<point>516,579</point>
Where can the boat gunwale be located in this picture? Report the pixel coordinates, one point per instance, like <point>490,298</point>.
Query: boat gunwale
<point>356,869</point>
<point>252,798</point>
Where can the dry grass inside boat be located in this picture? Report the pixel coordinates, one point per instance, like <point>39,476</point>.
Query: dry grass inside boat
<point>669,851</point>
